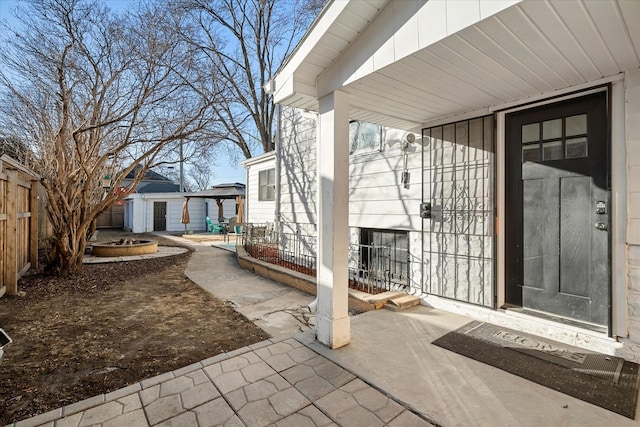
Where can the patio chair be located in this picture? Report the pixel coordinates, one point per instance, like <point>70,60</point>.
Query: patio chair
<point>214,228</point>
<point>231,227</point>
<point>233,221</point>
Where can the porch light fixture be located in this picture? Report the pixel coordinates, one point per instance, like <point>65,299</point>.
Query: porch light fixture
<point>406,143</point>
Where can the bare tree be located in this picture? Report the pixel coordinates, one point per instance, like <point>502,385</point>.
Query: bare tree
<point>242,42</point>
<point>95,95</point>
<point>199,175</point>
<point>16,149</point>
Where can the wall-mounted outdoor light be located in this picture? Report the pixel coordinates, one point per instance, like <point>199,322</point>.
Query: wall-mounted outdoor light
<point>406,144</point>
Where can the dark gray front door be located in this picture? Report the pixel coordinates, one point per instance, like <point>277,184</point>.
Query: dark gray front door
<point>557,218</point>
<point>159,216</point>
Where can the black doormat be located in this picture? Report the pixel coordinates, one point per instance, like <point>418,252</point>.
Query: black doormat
<point>606,381</point>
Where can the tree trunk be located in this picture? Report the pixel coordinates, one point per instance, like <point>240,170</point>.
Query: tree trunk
<point>68,244</point>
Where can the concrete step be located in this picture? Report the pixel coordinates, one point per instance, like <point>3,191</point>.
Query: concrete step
<point>379,300</point>
<point>402,302</point>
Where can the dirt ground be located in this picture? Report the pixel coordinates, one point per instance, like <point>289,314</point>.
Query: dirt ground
<point>109,326</point>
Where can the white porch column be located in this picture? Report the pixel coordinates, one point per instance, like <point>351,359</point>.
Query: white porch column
<point>332,316</point>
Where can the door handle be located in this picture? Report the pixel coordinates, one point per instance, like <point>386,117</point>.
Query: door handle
<point>601,226</point>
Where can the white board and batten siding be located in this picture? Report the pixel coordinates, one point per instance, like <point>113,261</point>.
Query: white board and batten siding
<point>258,211</point>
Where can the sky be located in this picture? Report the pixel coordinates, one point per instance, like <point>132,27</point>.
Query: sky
<point>225,171</point>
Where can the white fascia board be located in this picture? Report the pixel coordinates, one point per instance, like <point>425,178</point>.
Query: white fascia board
<point>291,89</point>
<point>258,159</point>
<point>173,195</point>
<point>284,79</point>
<point>283,88</point>
<point>319,27</point>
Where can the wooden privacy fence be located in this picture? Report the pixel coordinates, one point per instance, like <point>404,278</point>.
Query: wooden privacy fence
<point>18,223</point>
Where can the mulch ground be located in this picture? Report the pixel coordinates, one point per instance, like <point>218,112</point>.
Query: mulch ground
<point>107,327</point>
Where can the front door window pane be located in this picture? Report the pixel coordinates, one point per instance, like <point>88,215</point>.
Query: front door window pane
<point>576,148</point>
<point>552,151</point>
<point>530,153</point>
<point>552,129</point>
<point>530,132</point>
<point>576,125</point>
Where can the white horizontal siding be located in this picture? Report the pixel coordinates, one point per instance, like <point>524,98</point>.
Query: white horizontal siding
<point>174,214</point>
<point>258,211</point>
<point>261,212</point>
<point>298,176</point>
<point>377,197</point>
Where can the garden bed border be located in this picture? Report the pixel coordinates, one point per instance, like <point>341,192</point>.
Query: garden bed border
<point>295,280</point>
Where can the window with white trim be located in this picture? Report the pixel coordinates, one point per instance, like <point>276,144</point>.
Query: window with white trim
<point>267,185</point>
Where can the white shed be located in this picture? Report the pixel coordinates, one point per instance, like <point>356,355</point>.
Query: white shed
<point>162,212</point>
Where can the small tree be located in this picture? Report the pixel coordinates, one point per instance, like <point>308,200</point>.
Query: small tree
<point>95,95</point>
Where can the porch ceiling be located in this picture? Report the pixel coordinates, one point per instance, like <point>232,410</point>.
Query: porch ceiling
<point>528,49</point>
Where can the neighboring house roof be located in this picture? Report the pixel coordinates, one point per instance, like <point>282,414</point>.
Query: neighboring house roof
<point>152,182</point>
<point>221,191</point>
<point>404,64</point>
<point>158,187</point>
<point>149,175</point>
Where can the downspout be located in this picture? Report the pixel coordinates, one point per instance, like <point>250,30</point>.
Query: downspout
<point>278,144</point>
<point>146,213</point>
<point>246,195</point>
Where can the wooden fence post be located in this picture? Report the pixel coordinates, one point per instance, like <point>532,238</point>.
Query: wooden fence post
<point>11,236</point>
<point>33,224</point>
<point>3,230</point>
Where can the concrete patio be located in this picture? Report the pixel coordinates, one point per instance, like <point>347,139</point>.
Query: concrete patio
<point>390,373</point>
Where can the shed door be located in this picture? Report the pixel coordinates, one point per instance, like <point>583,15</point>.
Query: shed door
<point>159,216</point>
<point>558,209</point>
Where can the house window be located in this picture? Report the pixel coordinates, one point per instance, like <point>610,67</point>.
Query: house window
<point>267,185</point>
<point>388,251</point>
<point>364,136</point>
